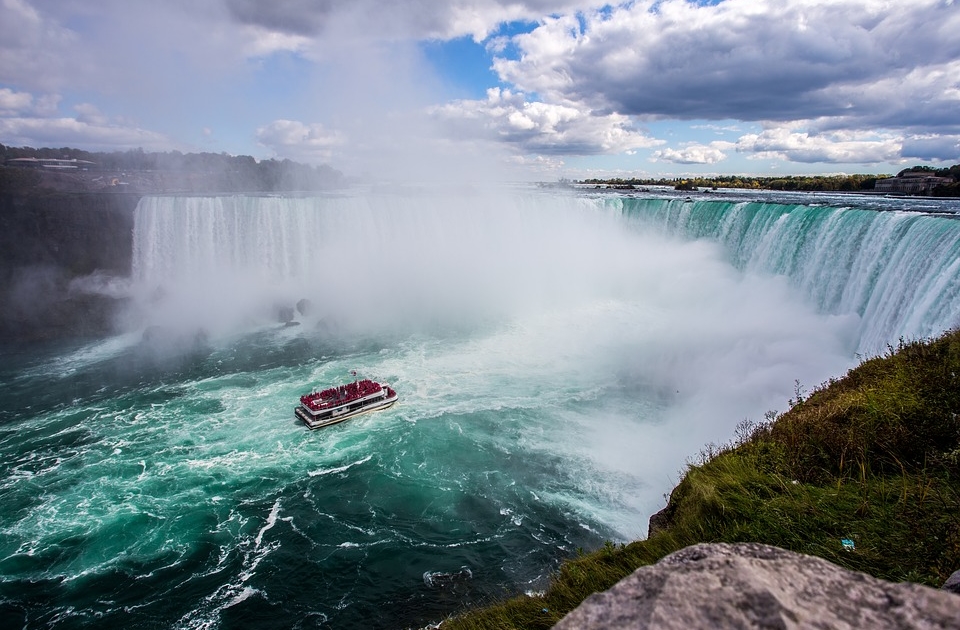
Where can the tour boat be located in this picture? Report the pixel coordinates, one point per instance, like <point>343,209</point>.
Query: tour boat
<point>336,404</point>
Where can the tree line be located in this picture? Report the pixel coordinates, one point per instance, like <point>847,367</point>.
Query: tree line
<point>825,183</point>
<point>209,171</point>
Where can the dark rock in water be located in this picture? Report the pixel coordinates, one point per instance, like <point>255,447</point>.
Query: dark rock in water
<point>953,583</point>
<point>328,325</point>
<point>749,585</point>
<point>305,307</point>
<point>291,324</point>
<point>285,314</point>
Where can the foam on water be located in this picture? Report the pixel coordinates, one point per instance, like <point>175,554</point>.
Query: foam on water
<point>557,358</point>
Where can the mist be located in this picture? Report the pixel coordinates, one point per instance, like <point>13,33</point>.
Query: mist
<point>549,291</point>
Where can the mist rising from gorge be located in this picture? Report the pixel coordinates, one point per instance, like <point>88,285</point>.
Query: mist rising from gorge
<point>544,289</point>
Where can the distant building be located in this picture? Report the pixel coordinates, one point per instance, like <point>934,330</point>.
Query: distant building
<point>912,183</point>
<point>52,163</point>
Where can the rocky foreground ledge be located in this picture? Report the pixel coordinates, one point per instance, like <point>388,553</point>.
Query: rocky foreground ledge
<point>749,585</point>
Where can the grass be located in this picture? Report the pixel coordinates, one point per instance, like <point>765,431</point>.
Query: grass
<point>873,457</point>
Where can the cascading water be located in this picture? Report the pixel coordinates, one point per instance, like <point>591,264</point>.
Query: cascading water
<point>557,356</point>
<point>898,271</point>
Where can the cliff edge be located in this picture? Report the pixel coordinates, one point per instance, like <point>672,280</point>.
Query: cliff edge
<point>60,252</point>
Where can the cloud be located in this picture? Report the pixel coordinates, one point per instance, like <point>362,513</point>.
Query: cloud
<point>41,132</point>
<point>262,42</point>
<point>15,103</point>
<point>694,153</point>
<point>838,147</point>
<point>936,148</point>
<point>387,19</point>
<point>827,80</point>
<point>540,164</point>
<point>35,51</point>
<point>748,60</point>
<point>118,47</point>
<point>26,120</point>
<point>539,127</point>
<point>300,17</point>
<point>34,120</point>
<point>88,113</point>
<point>12,102</point>
<point>923,98</point>
<point>300,141</point>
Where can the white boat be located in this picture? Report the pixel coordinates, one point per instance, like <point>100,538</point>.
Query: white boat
<point>336,404</point>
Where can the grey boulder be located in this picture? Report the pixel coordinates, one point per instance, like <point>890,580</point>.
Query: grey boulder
<point>749,585</point>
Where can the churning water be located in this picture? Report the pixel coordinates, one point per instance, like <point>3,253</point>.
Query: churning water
<point>558,356</point>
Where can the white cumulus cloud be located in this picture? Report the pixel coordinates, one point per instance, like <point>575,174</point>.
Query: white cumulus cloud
<point>40,132</point>
<point>298,140</point>
<point>827,80</point>
<point>694,153</point>
<point>830,147</point>
<point>840,64</point>
<point>540,127</point>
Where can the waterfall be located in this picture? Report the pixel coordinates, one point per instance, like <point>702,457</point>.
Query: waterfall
<point>898,271</point>
<point>461,253</point>
<point>445,255</point>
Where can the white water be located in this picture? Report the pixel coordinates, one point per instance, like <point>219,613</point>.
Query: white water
<point>527,297</point>
<point>897,271</point>
<point>558,358</point>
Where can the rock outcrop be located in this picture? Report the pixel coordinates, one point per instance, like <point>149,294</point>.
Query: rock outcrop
<point>661,521</point>
<point>750,585</point>
<point>49,241</point>
<point>952,584</point>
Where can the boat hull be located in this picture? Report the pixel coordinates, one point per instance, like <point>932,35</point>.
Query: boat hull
<point>318,423</point>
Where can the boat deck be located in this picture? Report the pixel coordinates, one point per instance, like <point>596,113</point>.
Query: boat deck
<point>336,404</point>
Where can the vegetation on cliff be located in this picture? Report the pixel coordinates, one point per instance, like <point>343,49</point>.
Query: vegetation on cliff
<point>49,240</point>
<point>170,171</point>
<point>873,458</point>
<point>785,182</point>
<point>72,216</point>
<point>825,183</point>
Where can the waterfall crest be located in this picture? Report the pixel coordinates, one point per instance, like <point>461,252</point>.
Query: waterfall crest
<point>898,271</point>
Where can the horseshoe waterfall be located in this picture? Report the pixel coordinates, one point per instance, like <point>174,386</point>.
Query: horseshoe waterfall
<point>558,356</point>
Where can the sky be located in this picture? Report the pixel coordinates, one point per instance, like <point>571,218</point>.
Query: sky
<point>522,89</point>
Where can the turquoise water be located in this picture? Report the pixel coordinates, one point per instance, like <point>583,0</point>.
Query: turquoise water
<point>558,357</point>
<point>896,270</point>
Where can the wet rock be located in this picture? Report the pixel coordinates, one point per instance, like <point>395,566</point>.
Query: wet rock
<point>328,325</point>
<point>749,585</point>
<point>305,307</point>
<point>285,314</point>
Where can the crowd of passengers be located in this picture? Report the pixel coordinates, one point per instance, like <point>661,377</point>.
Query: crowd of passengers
<point>341,394</point>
